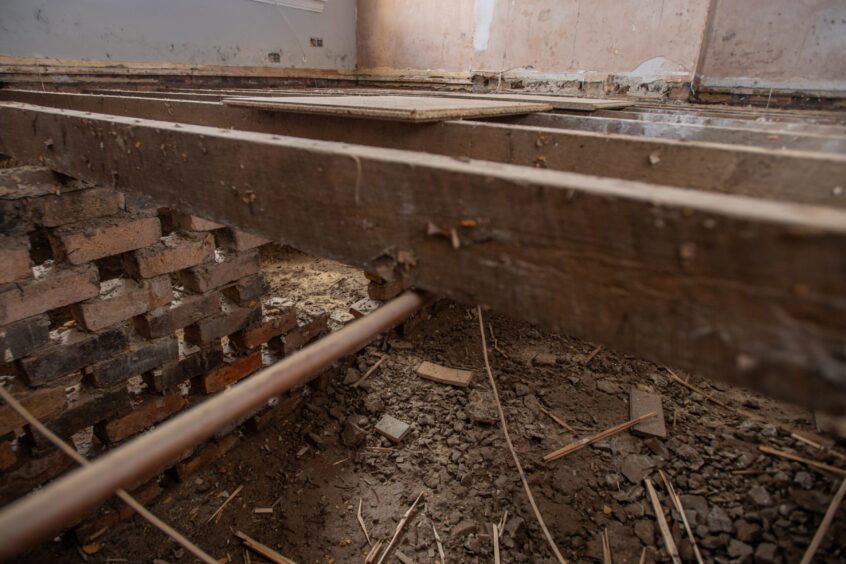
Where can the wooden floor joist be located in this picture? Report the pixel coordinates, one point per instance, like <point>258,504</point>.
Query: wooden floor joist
<point>742,170</point>
<point>792,126</point>
<point>743,289</point>
<point>687,132</point>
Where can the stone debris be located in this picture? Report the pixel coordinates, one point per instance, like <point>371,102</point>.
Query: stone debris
<point>392,428</point>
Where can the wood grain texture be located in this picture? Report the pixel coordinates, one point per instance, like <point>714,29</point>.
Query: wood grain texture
<point>783,175</point>
<point>395,108</point>
<point>730,287</point>
<point>688,132</point>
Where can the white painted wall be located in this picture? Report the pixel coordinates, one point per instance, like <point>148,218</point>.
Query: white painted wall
<point>211,32</point>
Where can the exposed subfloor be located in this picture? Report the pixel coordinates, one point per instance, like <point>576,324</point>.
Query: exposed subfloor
<point>744,505</point>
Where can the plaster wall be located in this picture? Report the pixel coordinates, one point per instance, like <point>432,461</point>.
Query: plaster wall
<point>207,32</point>
<point>779,44</point>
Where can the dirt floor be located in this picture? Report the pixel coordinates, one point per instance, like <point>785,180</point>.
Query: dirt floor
<point>743,505</point>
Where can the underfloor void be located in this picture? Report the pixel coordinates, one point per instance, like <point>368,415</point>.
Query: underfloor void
<point>307,486</point>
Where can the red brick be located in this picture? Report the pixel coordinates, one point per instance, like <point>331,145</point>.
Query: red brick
<point>216,274</point>
<point>387,290</point>
<point>78,205</point>
<point>88,408</point>
<point>20,338</point>
<point>44,404</point>
<point>286,406</point>
<point>257,335</point>
<point>72,350</point>
<point>31,182</point>
<point>190,222</point>
<point>237,240</point>
<point>208,454</point>
<point>181,312</point>
<point>150,412</point>
<point>177,251</point>
<point>91,240</point>
<point>217,380</point>
<point>92,528</point>
<point>171,375</point>
<point>141,357</point>
<point>52,288</point>
<point>306,331</point>
<point>14,259</point>
<point>246,291</point>
<point>32,474</point>
<point>121,299</point>
<point>233,318</point>
<point>8,456</point>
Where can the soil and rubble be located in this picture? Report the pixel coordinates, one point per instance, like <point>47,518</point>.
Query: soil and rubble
<point>315,469</point>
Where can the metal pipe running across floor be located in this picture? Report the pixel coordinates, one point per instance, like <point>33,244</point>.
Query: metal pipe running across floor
<point>45,512</point>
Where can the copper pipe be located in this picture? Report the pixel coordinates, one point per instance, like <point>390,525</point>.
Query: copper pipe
<point>45,512</point>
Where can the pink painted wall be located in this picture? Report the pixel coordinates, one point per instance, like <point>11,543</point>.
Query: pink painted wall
<point>399,34</point>
<point>780,44</point>
<point>585,39</point>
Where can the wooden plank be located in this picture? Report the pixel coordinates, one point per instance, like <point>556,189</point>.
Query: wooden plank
<point>395,108</point>
<point>747,290</point>
<point>693,118</point>
<point>784,175</point>
<point>687,132</point>
<point>444,375</point>
<point>557,102</point>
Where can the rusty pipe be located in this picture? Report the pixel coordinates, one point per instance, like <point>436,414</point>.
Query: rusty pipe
<point>45,512</point>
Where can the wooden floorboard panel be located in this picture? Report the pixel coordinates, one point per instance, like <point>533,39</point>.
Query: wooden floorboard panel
<point>392,108</point>
<point>741,289</point>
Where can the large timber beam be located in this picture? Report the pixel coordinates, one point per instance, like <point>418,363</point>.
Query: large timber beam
<point>730,287</point>
<point>720,121</point>
<point>797,176</point>
<point>686,132</point>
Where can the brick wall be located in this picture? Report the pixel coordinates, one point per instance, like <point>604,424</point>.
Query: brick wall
<point>114,317</point>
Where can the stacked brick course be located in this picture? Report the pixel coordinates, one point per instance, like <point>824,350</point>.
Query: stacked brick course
<point>114,318</point>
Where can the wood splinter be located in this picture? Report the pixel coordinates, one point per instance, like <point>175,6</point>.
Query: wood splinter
<point>581,443</point>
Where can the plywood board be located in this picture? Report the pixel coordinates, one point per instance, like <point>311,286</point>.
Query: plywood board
<point>394,108</point>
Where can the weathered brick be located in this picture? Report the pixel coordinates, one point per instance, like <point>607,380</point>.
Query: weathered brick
<point>308,329</point>
<point>206,455</point>
<point>237,240</point>
<point>32,182</point>
<point>218,379</point>
<point>148,413</point>
<point>78,205</point>
<point>247,290</point>
<point>79,243</point>
<point>141,357</point>
<point>121,299</point>
<point>15,217</point>
<point>20,338</point>
<point>286,406</point>
<point>386,290</point>
<point>174,373</point>
<point>72,350</point>
<point>87,409</point>
<point>216,274</point>
<point>14,259</point>
<point>52,288</point>
<point>88,531</point>
<point>190,222</point>
<point>44,404</point>
<point>182,311</point>
<point>32,474</point>
<point>177,251</point>
<point>272,326</point>
<point>8,456</point>
<point>228,321</point>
